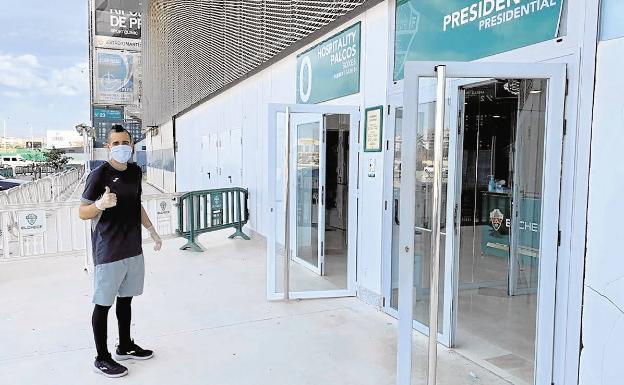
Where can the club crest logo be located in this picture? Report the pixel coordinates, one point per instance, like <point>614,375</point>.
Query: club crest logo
<point>31,218</point>
<point>496,218</point>
<point>163,206</point>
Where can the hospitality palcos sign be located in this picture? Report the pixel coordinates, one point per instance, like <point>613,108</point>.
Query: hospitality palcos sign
<point>462,30</point>
<point>330,69</point>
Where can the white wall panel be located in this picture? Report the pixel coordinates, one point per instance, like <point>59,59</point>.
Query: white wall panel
<point>245,106</point>
<point>603,310</point>
<point>374,45</point>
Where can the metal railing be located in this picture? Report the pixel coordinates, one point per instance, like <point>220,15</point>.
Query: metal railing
<point>211,210</point>
<point>49,189</point>
<point>54,229</point>
<point>42,229</point>
<point>35,170</point>
<point>6,172</point>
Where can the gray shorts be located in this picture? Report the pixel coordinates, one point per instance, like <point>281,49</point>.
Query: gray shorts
<point>120,278</point>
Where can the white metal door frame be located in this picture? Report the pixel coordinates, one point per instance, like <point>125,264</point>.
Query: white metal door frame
<point>354,113</point>
<point>396,100</point>
<point>556,74</point>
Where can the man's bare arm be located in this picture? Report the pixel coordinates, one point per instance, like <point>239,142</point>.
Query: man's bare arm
<point>88,211</point>
<point>145,221</point>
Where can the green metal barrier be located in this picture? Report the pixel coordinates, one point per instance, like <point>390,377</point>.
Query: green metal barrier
<point>211,210</point>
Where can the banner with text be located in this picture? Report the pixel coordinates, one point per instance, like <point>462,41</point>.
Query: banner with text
<point>331,69</point>
<point>118,24</point>
<point>103,120</point>
<point>115,77</point>
<point>463,30</point>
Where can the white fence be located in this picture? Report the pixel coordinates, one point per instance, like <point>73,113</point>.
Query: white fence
<point>49,189</point>
<point>54,229</point>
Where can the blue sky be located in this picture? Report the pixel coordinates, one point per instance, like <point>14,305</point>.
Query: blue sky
<point>44,71</point>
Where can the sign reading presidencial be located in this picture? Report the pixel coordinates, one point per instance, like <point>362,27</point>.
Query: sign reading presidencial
<point>32,222</point>
<point>330,69</point>
<point>373,129</point>
<point>118,24</point>
<point>462,30</point>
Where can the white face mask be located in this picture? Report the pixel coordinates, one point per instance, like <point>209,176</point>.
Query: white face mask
<point>121,153</point>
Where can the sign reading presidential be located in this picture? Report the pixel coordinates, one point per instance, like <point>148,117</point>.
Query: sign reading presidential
<point>330,69</point>
<point>463,30</point>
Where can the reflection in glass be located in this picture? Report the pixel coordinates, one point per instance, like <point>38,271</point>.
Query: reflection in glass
<point>501,174</point>
<point>423,202</point>
<point>307,194</point>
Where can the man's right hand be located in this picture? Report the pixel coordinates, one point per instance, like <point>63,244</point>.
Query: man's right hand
<point>107,200</point>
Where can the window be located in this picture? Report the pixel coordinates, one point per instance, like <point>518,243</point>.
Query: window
<point>611,25</point>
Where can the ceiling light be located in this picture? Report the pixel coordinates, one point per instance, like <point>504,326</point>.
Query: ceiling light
<point>536,91</point>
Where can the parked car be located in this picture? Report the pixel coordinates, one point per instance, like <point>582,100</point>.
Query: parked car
<point>6,183</point>
<point>13,161</point>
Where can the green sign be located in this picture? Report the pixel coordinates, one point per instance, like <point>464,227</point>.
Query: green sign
<point>497,225</point>
<point>330,69</point>
<point>216,208</point>
<point>463,30</point>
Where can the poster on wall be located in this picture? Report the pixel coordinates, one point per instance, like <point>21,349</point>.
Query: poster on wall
<point>103,120</point>
<point>117,24</point>
<point>134,128</point>
<point>115,74</point>
<point>464,30</point>
<point>373,129</point>
<point>330,69</point>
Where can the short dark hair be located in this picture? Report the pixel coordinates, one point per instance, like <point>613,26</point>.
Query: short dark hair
<point>117,128</point>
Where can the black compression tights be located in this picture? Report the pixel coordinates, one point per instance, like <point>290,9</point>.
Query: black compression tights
<point>99,320</point>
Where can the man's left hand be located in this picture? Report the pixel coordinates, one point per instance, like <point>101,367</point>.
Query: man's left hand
<point>156,238</point>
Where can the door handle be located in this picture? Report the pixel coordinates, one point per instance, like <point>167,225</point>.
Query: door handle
<point>396,212</point>
<point>208,175</point>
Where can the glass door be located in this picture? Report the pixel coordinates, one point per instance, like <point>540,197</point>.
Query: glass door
<point>313,196</point>
<point>491,161</point>
<point>307,190</point>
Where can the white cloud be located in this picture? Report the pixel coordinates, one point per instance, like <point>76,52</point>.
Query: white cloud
<point>24,74</point>
<point>69,81</point>
<point>20,72</point>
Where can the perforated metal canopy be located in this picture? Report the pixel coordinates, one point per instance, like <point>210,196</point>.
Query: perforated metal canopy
<point>194,48</point>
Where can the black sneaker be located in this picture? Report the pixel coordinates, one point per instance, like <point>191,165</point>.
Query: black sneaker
<point>134,351</point>
<point>109,367</point>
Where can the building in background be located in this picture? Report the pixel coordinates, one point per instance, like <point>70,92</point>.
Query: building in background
<point>115,67</point>
<point>63,139</point>
<point>9,144</point>
<point>531,278</point>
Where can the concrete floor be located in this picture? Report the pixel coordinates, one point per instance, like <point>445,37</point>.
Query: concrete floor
<point>206,317</point>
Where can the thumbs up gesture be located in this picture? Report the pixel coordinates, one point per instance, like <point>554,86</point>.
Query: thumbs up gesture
<point>107,200</point>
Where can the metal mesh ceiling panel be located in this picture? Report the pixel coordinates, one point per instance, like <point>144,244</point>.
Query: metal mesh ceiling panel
<point>193,48</point>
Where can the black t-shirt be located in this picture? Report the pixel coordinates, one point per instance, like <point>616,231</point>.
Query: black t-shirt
<point>116,232</point>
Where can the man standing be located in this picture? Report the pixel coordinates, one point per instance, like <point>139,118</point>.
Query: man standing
<point>112,200</point>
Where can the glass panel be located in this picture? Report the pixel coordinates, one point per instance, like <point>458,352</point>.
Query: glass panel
<point>396,193</point>
<point>307,191</point>
<point>336,171</point>
<point>611,26</point>
<point>280,201</point>
<point>423,201</point>
<point>489,121</point>
<point>501,170</point>
<point>425,136</point>
<point>307,167</point>
<point>527,186</point>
